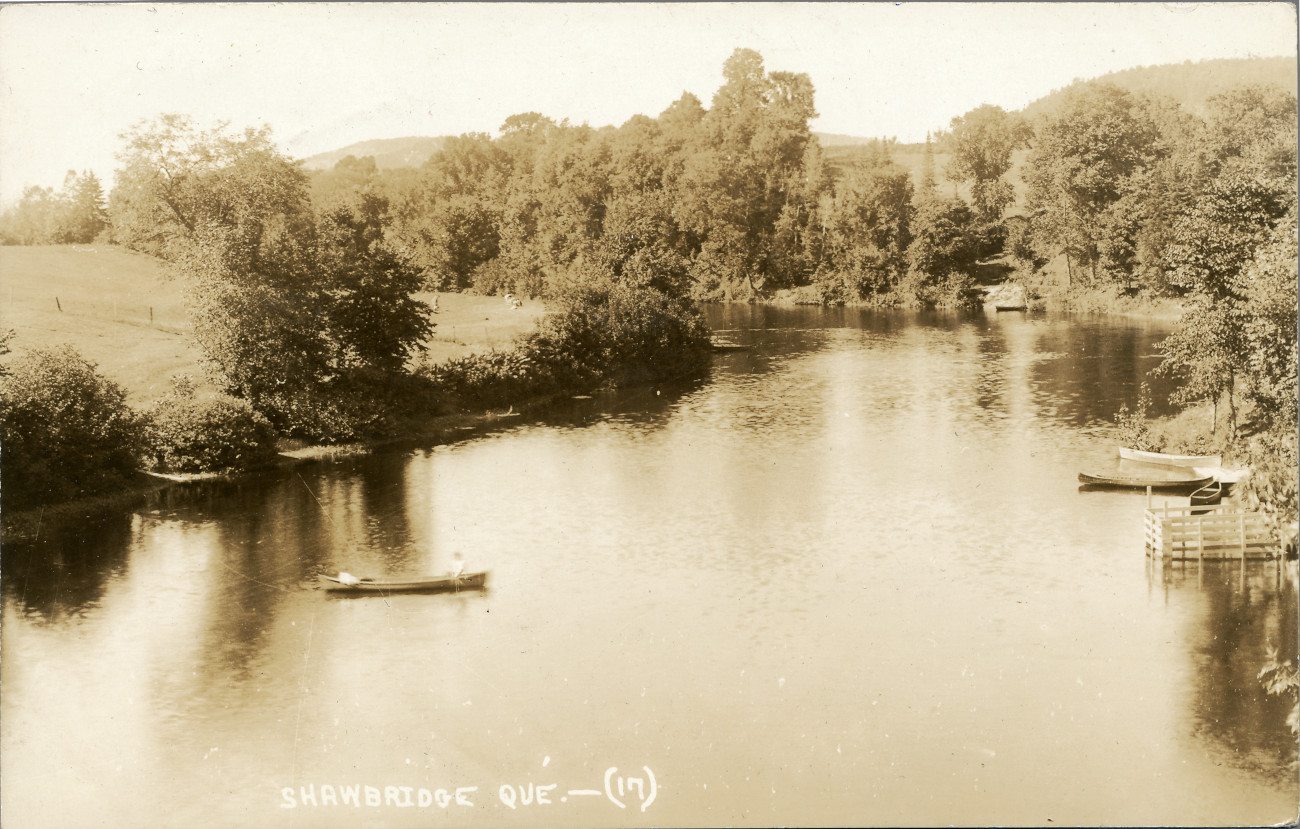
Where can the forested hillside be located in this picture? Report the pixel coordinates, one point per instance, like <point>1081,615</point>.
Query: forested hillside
<point>1190,84</point>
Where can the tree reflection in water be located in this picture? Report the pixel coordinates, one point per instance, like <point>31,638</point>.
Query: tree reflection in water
<point>1243,612</point>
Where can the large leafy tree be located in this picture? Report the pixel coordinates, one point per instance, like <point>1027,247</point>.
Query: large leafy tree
<point>865,229</point>
<point>944,250</point>
<point>176,178</point>
<point>744,173</point>
<point>980,144</point>
<point>374,320</point>
<point>290,310</point>
<point>345,184</point>
<point>1081,163</point>
<point>35,220</point>
<point>1227,253</point>
<point>1268,286</point>
<point>448,215</point>
<point>1252,127</point>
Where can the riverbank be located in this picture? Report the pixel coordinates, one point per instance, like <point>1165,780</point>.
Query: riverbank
<point>1017,296</point>
<point>124,312</point>
<point>25,525</point>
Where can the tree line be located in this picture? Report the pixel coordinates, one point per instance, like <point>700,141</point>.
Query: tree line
<point>737,201</point>
<point>304,290</point>
<point>77,213</point>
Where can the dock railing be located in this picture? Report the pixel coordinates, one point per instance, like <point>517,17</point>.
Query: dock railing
<point>1208,532</point>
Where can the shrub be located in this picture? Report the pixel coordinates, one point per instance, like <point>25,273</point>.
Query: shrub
<point>223,433</point>
<point>1271,487</point>
<point>612,334</point>
<point>1134,427</point>
<point>623,335</point>
<point>65,430</point>
<point>492,379</point>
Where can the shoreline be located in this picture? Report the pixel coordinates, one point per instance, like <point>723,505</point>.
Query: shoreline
<point>1161,309</point>
<point>24,525</point>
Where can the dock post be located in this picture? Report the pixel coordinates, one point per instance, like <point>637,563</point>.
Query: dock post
<point>1200,543</point>
<point>1241,524</point>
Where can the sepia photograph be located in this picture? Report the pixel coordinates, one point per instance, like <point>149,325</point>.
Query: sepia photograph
<point>606,414</point>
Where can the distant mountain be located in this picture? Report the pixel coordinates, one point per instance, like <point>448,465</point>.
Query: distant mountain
<point>387,152</point>
<point>1190,84</point>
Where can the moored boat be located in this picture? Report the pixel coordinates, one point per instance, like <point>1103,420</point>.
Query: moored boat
<point>437,584</point>
<point>1208,495</point>
<point>1163,459</point>
<point>1141,480</point>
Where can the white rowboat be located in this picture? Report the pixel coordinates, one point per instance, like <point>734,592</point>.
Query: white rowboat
<point>1180,461</point>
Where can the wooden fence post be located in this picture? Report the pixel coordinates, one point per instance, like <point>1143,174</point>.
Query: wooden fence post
<point>1242,525</point>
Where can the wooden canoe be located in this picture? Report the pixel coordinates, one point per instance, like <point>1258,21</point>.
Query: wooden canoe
<point>1162,459</point>
<point>1208,495</point>
<point>1153,479</point>
<point>437,584</point>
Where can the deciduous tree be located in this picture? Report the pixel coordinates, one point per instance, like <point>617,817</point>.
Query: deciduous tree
<point>980,144</point>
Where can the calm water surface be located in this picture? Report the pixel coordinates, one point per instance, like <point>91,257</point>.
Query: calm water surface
<point>847,578</point>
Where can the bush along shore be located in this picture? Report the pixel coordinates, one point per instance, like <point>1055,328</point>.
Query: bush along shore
<point>72,444</point>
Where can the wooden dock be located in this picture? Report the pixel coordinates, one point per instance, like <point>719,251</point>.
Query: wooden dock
<point>1208,532</point>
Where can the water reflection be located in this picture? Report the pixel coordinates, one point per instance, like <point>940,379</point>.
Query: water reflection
<point>1239,611</point>
<point>64,571</point>
<point>846,578</point>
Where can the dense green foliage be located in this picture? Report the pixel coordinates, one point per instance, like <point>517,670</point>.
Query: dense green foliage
<point>609,335</point>
<point>65,430</point>
<point>298,311</point>
<point>736,200</point>
<point>302,288</point>
<point>980,143</point>
<point>730,201</point>
<point>189,434</point>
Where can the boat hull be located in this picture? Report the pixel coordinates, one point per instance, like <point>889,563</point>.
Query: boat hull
<point>1156,482</point>
<point>441,584</point>
<point>1206,497</point>
<point>1179,461</point>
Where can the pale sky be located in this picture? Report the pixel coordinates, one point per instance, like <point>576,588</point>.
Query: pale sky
<point>324,75</point>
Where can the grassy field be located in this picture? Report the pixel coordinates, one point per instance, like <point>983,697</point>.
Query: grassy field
<point>119,310</point>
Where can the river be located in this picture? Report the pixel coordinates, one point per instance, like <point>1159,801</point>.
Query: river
<point>846,578</point>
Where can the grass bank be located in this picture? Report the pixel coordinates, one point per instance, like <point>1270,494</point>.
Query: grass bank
<point>119,309</point>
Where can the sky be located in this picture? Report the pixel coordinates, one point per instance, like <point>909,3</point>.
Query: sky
<point>73,77</point>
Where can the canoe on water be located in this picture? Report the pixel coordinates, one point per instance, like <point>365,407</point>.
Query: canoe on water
<point>1154,479</point>
<point>1181,461</point>
<point>436,584</point>
<point>1208,495</point>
